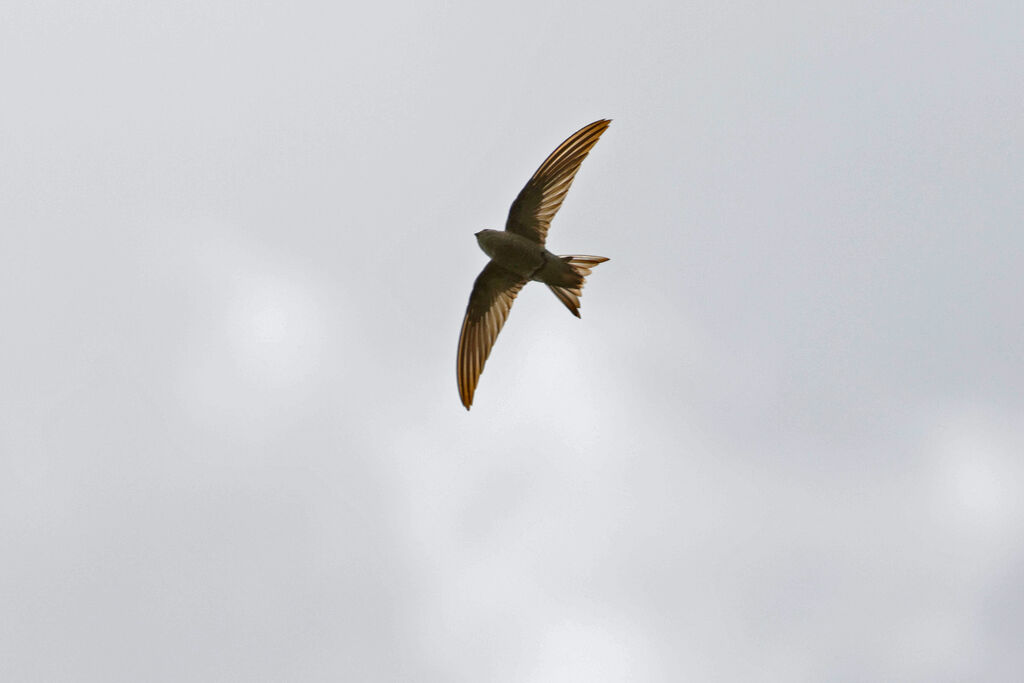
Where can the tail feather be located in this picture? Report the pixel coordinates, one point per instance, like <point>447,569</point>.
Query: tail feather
<point>570,295</point>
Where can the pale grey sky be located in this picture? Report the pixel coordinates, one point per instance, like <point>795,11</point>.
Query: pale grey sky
<point>785,442</point>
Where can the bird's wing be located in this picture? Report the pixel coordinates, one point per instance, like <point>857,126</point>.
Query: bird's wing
<point>538,202</point>
<point>493,293</point>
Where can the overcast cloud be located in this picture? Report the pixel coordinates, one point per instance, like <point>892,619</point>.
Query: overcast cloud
<point>784,443</point>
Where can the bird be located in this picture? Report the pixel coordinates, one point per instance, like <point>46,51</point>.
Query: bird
<point>518,255</point>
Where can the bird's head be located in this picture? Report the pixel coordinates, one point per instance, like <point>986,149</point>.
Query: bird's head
<point>486,240</point>
<point>484,235</point>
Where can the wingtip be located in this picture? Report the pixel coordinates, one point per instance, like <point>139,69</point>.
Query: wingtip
<point>599,125</point>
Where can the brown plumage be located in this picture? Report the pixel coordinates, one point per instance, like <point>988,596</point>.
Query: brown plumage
<point>518,255</point>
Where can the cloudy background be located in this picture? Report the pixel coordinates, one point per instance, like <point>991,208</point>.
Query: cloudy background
<point>784,443</point>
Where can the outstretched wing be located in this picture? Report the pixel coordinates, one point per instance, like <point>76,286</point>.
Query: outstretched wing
<point>493,293</point>
<point>538,202</point>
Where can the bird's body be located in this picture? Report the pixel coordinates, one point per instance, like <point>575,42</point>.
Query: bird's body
<point>525,258</point>
<point>518,255</point>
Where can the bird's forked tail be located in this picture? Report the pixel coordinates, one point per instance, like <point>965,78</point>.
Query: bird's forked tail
<point>570,294</point>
